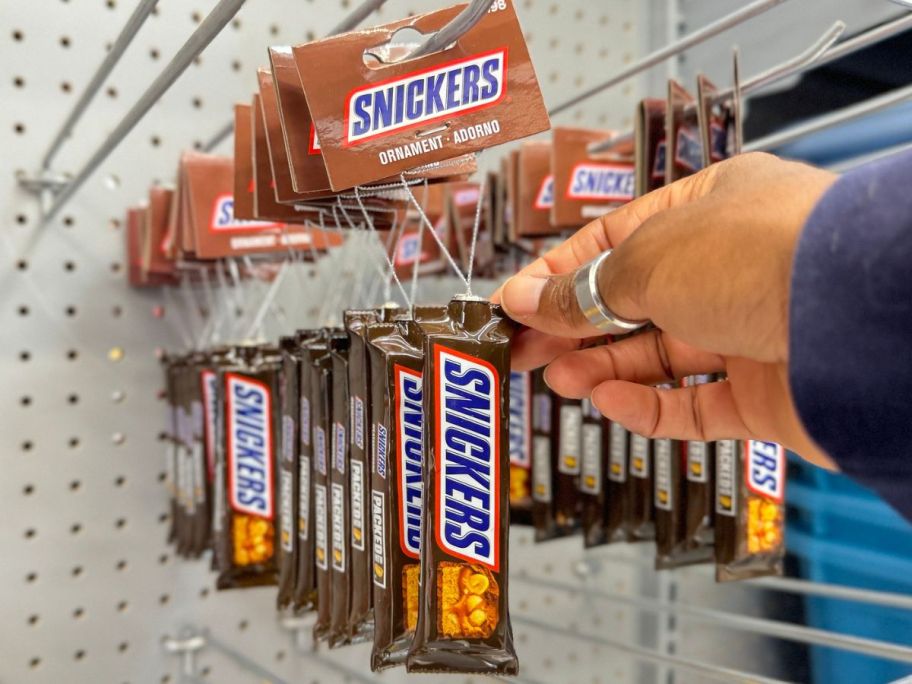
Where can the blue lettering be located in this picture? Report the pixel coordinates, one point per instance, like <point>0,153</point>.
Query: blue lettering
<point>413,105</point>
<point>470,92</point>
<point>451,373</point>
<point>362,123</point>
<point>489,74</point>
<point>433,98</point>
<point>383,109</point>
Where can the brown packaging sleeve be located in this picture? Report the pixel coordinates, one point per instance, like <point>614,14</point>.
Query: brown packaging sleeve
<point>534,190</point>
<point>288,472</point>
<point>569,423</point>
<point>397,416</point>
<point>520,448</point>
<point>544,462</point>
<point>334,74</point>
<point>641,524</point>
<point>716,122</point>
<point>361,614</point>
<point>616,512</point>
<point>592,480</point>
<point>200,537</point>
<point>245,542</point>
<point>650,145</point>
<point>340,496</point>
<point>313,347</point>
<point>243,163</point>
<point>321,421</point>
<point>463,617</point>
<point>169,364</point>
<point>750,525</point>
<point>682,131</point>
<point>156,260</point>
<point>587,185</point>
<point>511,210</point>
<point>699,474</point>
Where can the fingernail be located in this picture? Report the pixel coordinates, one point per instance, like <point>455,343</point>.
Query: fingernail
<point>521,295</point>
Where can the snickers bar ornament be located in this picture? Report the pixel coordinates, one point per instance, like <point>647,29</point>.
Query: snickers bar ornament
<point>463,623</point>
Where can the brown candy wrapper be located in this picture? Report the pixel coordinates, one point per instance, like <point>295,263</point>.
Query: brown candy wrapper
<point>359,384</point>
<point>246,499</point>
<point>321,420</point>
<point>650,145</point>
<point>750,509</point>
<point>169,438</point>
<point>592,480</point>
<point>682,131</point>
<point>544,463</point>
<point>699,486</point>
<point>534,193</point>
<point>288,471</point>
<point>569,416</point>
<point>340,496</point>
<point>520,448</point>
<point>397,498</point>
<point>641,523</point>
<point>312,346</point>
<point>463,619</point>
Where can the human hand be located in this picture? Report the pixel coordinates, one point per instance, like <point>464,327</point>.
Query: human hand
<point>708,259</point>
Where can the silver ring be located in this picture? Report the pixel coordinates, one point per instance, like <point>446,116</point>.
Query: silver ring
<point>585,285</point>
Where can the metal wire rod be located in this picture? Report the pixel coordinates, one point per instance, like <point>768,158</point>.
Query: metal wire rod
<point>766,627</point>
<point>211,26</point>
<point>716,672</point>
<point>355,17</point>
<point>453,31</point>
<point>820,123</point>
<point>245,662</point>
<point>747,12</point>
<point>129,31</point>
<point>796,64</point>
<point>792,585</point>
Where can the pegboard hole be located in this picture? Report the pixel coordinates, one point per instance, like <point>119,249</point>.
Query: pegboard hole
<point>75,528</point>
<point>117,311</point>
<point>69,266</point>
<point>164,599</point>
<point>73,399</point>
<point>23,310</point>
<point>154,54</point>
<point>28,445</point>
<point>70,311</point>
<point>75,485</point>
<point>28,489</point>
<point>25,356</point>
<point>72,355</point>
<point>25,400</point>
<point>22,265</point>
<point>155,141</point>
<point>120,523</point>
<point>162,518</point>
<point>120,481</point>
<point>69,221</point>
<point>18,35</point>
<point>76,571</point>
<point>73,442</point>
<point>280,656</point>
<point>196,17</point>
<point>111,92</point>
<point>18,82</point>
<point>64,41</point>
<point>197,102</point>
<point>21,219</point>
<point>235,65</point>
<point>31,577</point>
<point>236,24</point>
<point>123,646</point>
<point>79,655</point>
<point>204,593</point>
<point>116,267</point>
<point>33,620</point>
<point>243,625</point>
<point>165,679</point>
<point>19,128</point>
<point>273,29</point>
<point>66,87</point>
<point>111,4</point>
<point>35,663</point>
<point>121,565</point>
<point>122,606</point>
<point>30,533</point>
<point>163,559</point>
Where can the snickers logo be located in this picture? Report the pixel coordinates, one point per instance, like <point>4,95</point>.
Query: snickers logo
<point>765,469</point>
<point>409,426</point>
<point>320,450</point>
<point>602,182</point>
<point>520,419</point>
<point>544,200</point>
<point>223,218</point>
<point>209,380</point>
<point>688,150</point>
<point>467,401</point>
<point>409,250</point>
<point>658,168</point>
<point>425,96</point>
<point>339,445</point>
<point>380,446</point>
<point>248,409</point>
<point>378,519</point>
<point>305,421</point>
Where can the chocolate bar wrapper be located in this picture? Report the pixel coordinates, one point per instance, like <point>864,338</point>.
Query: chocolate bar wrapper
<point>569,414</point>
<point>169,438</point>
<point>288,471</point>
<point>246,470</point>
<point>616,512</point>
<point>592,481</point>
<point>544,462</point>
<point>641,523</point>
<point>463,619</point>
<point>360,619</point>
<point>201,518</point>
<point>340,496</point>
<point>750,509</point>
<point>312,345</point>
<point>520,448</point>
<point>699,486</point>
<point>209,391</point>
<point>397,414</point>
<point>321,403</point>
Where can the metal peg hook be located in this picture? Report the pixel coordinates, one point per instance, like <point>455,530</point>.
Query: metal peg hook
<point>455,30</point>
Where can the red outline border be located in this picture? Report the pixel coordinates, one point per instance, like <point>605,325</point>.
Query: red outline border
<point>780,457</point>
<point>495,518</point>
<point>267,412</point>
<point>400,454</point>
<point>346,113</point>
<point>313,147</point>
<point>601,198</point>
<point>251,227</point>
<point>541,206</point>
<point>208,430</point>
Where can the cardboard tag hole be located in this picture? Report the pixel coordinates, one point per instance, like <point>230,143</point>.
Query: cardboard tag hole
<point>402,44</point>
<point>432,131</point>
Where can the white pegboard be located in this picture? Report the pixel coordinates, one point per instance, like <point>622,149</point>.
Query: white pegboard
<point>88,586</point>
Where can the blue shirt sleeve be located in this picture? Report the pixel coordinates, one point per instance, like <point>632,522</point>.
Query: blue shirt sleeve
<point>851,327</point>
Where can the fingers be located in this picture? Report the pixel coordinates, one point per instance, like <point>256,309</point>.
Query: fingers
<point>613,228</point>
<point>532,349</point>
<point>546,303</point>
<point>702,412</point>
<point>650,358</point>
